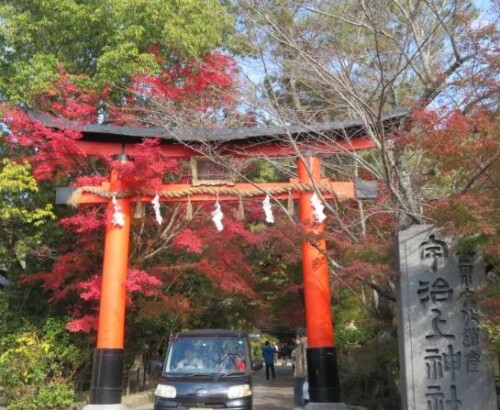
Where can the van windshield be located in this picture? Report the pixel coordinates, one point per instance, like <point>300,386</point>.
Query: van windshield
<point>206,355</point>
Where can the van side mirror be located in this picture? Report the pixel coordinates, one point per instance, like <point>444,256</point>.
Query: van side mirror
<point>257,365</point>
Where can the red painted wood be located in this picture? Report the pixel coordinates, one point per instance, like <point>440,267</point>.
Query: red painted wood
<point>315,265</point>
<point>111,330</point>
<point>237,150</point>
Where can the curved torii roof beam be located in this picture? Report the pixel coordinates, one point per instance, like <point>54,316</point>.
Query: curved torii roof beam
<point>347,135</point>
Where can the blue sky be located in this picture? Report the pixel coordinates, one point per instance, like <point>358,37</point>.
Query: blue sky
<point>484,6</point>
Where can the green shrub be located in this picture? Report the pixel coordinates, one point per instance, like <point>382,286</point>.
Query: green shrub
<point>37,367</point>
<point>369,375</point>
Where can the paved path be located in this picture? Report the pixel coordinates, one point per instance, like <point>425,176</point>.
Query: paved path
<point>274,394</point>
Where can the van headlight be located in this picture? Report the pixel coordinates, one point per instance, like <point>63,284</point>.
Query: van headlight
<point>241,390</point>
<point>166,391</point>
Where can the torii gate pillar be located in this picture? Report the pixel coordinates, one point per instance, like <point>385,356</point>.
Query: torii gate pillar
<point>107,369</point>
<point>321,353</point>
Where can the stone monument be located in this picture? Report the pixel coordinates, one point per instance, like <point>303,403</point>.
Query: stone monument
<point>443,361</point>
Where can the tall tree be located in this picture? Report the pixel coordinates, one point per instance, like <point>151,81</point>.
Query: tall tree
<point>319,61</point>
<point>95,61</point>
<point>107,41</point>
<point>55,156</point>
<point>332,60</point>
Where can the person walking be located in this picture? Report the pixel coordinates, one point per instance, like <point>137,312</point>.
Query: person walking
<point>299,355</point>
<point>268,352</point>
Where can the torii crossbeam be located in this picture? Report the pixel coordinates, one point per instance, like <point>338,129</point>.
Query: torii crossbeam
<point>106,385</point>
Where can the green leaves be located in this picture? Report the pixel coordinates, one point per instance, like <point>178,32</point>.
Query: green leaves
<point>194,27</point>
<point>106,40</point>
<point>35,367</point>
<point>33,76</point>
<point>117,63</point>
<point>17,186</point>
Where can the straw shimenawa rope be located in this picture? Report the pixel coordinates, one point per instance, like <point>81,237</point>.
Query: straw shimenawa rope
<point>74,200</point>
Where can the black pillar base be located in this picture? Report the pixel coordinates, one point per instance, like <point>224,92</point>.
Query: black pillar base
<point>107,377</point>
<point>324,386</point>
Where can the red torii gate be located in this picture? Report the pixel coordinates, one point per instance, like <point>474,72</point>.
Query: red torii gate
<point>106,385</point>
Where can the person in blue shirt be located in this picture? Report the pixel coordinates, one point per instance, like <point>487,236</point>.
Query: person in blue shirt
<point>268,352</point>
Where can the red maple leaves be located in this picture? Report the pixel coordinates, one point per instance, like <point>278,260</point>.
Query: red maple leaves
<point>189,240</point>
<point>193,89</point>
<point>201,85</point>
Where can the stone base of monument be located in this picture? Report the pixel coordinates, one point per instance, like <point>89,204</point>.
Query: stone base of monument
<point>105,407</point>
<point>325,406</point>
